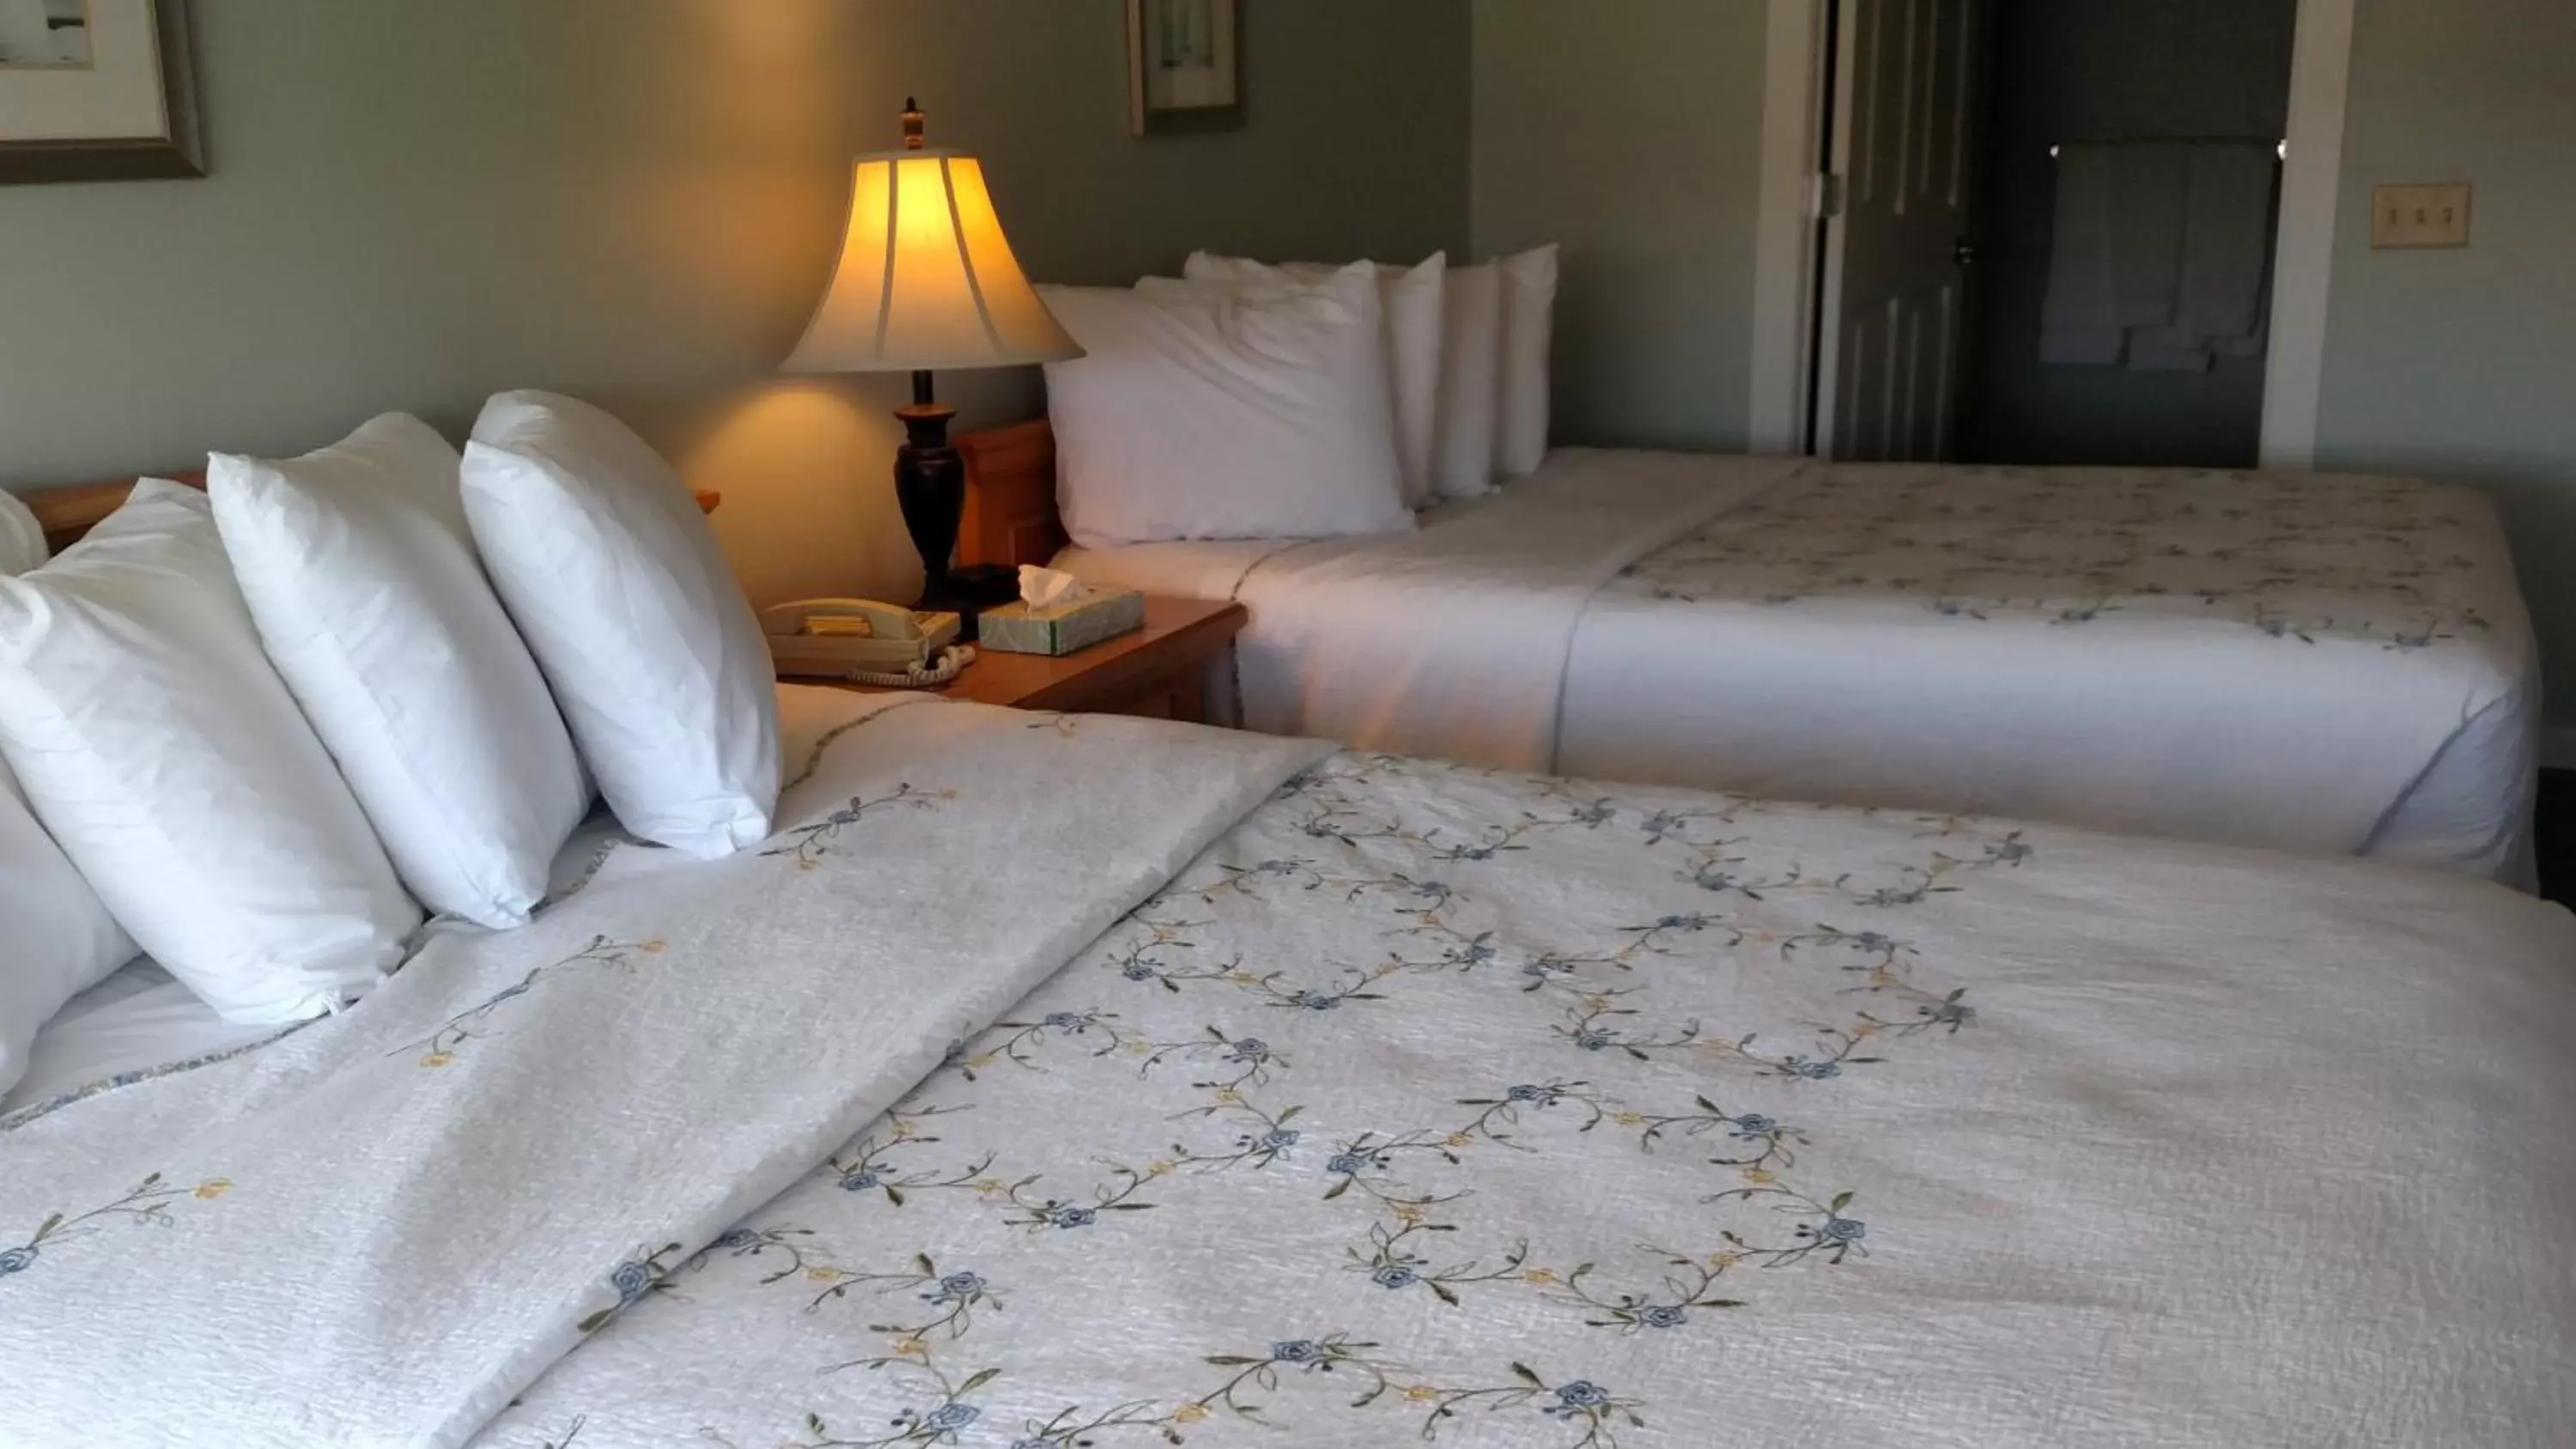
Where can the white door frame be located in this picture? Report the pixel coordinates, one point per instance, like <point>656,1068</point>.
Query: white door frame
<point>1784,270</point>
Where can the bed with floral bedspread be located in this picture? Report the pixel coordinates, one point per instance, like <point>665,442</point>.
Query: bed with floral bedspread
<point>2325,663</point>
<point>1412,1104</point>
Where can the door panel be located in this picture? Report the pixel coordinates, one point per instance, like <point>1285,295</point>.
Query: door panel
<point>1893,295</point>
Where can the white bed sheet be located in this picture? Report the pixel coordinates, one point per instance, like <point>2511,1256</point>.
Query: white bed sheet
<point>137,1020</point>
<point>2146,722</point>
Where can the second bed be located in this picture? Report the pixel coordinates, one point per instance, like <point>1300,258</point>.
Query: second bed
<point>2323,663</point>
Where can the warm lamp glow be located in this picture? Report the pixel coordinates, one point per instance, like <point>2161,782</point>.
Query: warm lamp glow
<point>926,279</point>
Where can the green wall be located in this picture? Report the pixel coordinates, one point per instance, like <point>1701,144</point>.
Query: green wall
<point>2462,364</point>
<point>414,204</point>
<point>1631,133</point>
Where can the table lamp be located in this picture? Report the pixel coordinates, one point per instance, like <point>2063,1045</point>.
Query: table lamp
<point>926,280</point>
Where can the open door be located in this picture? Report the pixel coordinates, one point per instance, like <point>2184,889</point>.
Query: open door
<point>1898,238</point>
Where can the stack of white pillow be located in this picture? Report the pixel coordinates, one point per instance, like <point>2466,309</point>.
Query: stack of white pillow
<point>262,728</point>
<point>1250,400</point>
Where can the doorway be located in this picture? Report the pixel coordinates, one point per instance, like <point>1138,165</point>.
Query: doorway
<point>1875,362</point>
<point>2099,83</point>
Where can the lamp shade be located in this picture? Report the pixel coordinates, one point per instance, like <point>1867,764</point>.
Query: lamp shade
<point>926,278</point>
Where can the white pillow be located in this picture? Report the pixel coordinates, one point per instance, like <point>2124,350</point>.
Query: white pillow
<point>165,755</point>
<point>1412,299</point>
<point>1204,412</point>
<point>1471,370</point>
<point>357,565</point>
<point>1529,325</point>
<point>619,588</point>
<point>22,538</point>
<point>59,940</point>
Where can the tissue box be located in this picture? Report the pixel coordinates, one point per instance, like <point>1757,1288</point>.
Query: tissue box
<point>1016,628</point>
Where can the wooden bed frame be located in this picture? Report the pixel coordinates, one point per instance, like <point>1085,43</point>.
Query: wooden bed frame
<point>68,513</point>
<point>1011,516</point>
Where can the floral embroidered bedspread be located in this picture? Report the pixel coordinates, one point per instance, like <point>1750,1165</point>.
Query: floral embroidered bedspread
<point>2396,562</point>
<point>381,1227</point>
<point>2267,659</point>
<point>1434,1105</point>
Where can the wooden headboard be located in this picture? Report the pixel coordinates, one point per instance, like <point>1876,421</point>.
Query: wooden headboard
<point>67,513</point>
<point>1010,517</point>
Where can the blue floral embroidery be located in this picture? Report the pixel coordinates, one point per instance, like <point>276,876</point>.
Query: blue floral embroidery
<point>1579,1395</point>
<point>1303,1353</point>
<point>631,1280</point>
<point>1842,1230</point>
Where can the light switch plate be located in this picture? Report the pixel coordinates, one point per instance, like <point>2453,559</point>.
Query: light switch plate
<point>2420,216</point>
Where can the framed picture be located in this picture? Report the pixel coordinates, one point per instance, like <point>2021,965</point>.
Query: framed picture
<point>97,90</point>
<point>1184,66</point>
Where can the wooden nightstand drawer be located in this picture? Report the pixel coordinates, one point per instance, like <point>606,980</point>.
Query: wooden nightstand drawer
<point>1154,672</point>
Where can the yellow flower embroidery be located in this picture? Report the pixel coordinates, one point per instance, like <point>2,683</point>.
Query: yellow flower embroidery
<point>1230,1097</point>
<point>990,1186</point>
<point>1631,1119</point>
<point>437,1059</point>
<point>1881,976</point>
<point>1406,1212</point>
<point>824,1275</point>
<point>1189,1413</point>
<point>808,863</point>
<point>911,1347</point>
<point>654,947</point>
<point>1159,1168</point>
<point>1460,1139</point>
<point>947,795</point>
<point>1139,1049</point>
<point>1421,1393</point>
<point>1539,1275</point>
<point>1241,978</point>
<point>214,1187</point>
<point>1866,1029</point>
<point>1758,1176</point>
<point>1723,1261</point>
<point>980,1062</point>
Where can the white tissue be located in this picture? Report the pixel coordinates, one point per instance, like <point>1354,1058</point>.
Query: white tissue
<point>1047,588</point>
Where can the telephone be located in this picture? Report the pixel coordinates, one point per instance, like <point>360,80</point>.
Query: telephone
<point>859,639</point>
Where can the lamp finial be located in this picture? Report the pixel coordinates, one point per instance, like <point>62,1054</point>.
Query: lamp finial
<point>912,121</point>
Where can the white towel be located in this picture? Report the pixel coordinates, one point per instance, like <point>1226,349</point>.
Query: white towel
<point>2080,322</point>
<point>2225,256</point>
<point>2161,254</point>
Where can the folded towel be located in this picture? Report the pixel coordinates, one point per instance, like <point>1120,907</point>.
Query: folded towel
<point>2162,253</point>
<point>2225,260</point>
<point>2080,321</point>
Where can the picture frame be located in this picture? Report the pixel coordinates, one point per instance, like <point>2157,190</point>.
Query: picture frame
<point>1184,66</point>
<point>97,90</point>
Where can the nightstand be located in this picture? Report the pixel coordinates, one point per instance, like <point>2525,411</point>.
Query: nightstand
<point>1154,672</point>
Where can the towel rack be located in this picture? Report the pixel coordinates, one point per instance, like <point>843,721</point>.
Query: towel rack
<point>2282,147</point>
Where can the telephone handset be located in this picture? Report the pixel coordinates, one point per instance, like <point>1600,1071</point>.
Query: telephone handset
<point>850,638</point>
